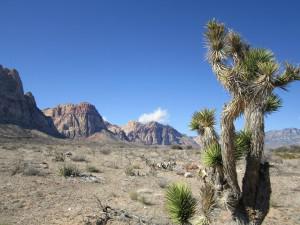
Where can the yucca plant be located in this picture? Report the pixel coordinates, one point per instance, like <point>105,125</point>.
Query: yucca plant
<point>212,156</point>
<point>180,203</point>
<point>242,144</point>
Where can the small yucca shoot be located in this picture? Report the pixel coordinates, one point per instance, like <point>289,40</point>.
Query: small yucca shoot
<point>180,203</point>
<point>242,144</point>
<point>212,156</point>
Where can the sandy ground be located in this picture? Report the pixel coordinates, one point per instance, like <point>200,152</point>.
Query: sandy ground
<point>33,192</point>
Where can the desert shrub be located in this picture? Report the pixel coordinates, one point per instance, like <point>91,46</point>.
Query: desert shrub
<point>78,158</point>
<point>180,203</point>
<point>189,147</point>
<point>69,170</point>
<point>105,151</point>
<point>59,157</point>
<point>31,171</point>
<point>191,166</point>
<point>177,147</point>
<point>11,147</point>
<point>18,167</point>
<point>133,195</point>
<point>113,165</point>
<point>129,171</point>
<point>136,166</point>
<point>92,169</point>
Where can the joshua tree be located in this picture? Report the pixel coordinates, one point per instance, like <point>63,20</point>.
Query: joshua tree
<point>250,75</point>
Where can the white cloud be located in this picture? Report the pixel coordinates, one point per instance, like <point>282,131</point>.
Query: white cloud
<point>104,118</point>
<point>159,115</point>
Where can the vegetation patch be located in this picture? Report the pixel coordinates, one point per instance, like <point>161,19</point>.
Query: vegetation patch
<point>92,169</point>
<point>69,170</point>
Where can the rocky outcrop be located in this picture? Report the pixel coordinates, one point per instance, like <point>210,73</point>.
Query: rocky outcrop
<point>116,130</point>
<point>75,121</point>
<point>154,133</point>
<point>19,108</point>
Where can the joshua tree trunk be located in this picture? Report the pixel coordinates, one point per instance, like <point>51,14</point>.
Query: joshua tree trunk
<point>227,144</point>
<point>256,183</point>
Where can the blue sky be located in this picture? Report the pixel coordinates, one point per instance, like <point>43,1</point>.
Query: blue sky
<point>130,57</point>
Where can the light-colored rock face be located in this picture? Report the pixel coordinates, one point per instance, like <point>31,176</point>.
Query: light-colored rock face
<point>19,108</point>
<point>154,133</point>
<point>73,121</point>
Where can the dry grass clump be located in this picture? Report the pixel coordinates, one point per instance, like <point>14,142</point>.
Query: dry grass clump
<point>92,169</point>
<point>59,157</point>
<point>105,151</point>
<point>129,171</point>
<point>69,170</point>
<point>32,171</point>
<point>177,147</point>
<point>27,169</point>
<point>135,196</point>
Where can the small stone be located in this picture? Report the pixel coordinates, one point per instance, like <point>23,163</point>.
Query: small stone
<point>188,175</point>
<point>68,154</point>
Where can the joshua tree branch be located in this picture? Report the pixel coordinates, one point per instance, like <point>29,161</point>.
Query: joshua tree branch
<point>230,113</point>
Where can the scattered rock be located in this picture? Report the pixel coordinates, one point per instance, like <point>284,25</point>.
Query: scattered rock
<point>188,175</point>
<point>68,154</point>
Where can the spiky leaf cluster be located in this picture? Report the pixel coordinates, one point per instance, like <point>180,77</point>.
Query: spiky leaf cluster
<point>212,156</point>
<point>242,144</point>
<point>180,203</point>
<point>202,119</point>
<point>273,104</point>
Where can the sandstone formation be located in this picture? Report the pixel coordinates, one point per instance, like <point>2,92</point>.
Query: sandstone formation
<point>75,121</point>
<point>154,133</point>
<point>116,130</point>
<point>19,108</point>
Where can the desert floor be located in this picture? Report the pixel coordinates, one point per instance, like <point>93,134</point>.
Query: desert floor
<point>33,192</point>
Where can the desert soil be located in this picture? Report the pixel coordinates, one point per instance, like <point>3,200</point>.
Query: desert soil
<point>33,192</point>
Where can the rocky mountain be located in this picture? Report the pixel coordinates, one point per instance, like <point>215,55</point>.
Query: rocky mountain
<point>75,121</point>
<point>285,137</point>
<point>154,133</point>
<point>116,130</point>
<point>19,108</point>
